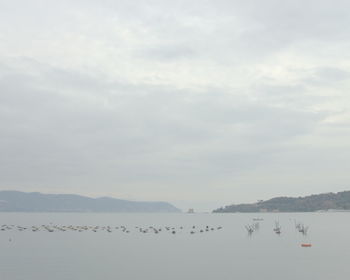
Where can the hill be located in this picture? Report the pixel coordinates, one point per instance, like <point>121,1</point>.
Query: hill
<point>15,201</point>
<point>319,202</point>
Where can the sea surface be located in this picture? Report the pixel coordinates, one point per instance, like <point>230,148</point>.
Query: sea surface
<point>126,252</point>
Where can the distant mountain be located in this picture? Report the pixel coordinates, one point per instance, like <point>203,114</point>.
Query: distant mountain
<point>319,202</point>
<point>14,201</point>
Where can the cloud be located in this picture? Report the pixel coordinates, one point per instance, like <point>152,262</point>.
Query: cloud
<point>168,53</point>
<point>172,100</point>
<point>111,121</point>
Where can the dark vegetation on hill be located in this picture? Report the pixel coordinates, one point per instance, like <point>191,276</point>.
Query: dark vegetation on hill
<point>319,202</point>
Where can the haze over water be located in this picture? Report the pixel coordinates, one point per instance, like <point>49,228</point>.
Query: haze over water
<point>200,104</point>
<point>228,253</point>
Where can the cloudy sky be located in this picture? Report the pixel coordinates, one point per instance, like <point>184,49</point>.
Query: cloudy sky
<point>199,103</point>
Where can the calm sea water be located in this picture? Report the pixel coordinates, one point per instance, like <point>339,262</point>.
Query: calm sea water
<point>228,253</point>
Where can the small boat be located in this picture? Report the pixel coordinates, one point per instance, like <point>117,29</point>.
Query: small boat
<point>306,245</point>
<point>303,229</point>
<point>250,229</point>
<point>277,228</point>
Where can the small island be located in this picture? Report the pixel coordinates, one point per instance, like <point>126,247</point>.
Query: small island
<point>321,202</point>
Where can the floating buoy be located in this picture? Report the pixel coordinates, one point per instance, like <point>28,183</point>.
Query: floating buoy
<point>306,245</point>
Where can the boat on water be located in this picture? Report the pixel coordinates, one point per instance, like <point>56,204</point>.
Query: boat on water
<point>277,228</point>
<point>306,245</point>
<point>249,228</point>
<point>301,228</point>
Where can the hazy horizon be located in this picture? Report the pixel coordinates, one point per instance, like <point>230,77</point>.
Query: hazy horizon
<point>197,103</point>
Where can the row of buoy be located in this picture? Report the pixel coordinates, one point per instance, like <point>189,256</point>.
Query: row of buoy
<point>151,229</point>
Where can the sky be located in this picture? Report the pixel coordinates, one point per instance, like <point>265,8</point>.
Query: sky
<point>198,103</point>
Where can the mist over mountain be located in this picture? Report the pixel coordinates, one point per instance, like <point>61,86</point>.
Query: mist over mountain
<point>15,201</point>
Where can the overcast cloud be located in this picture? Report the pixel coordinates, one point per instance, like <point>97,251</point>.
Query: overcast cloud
<point>199,103</point>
